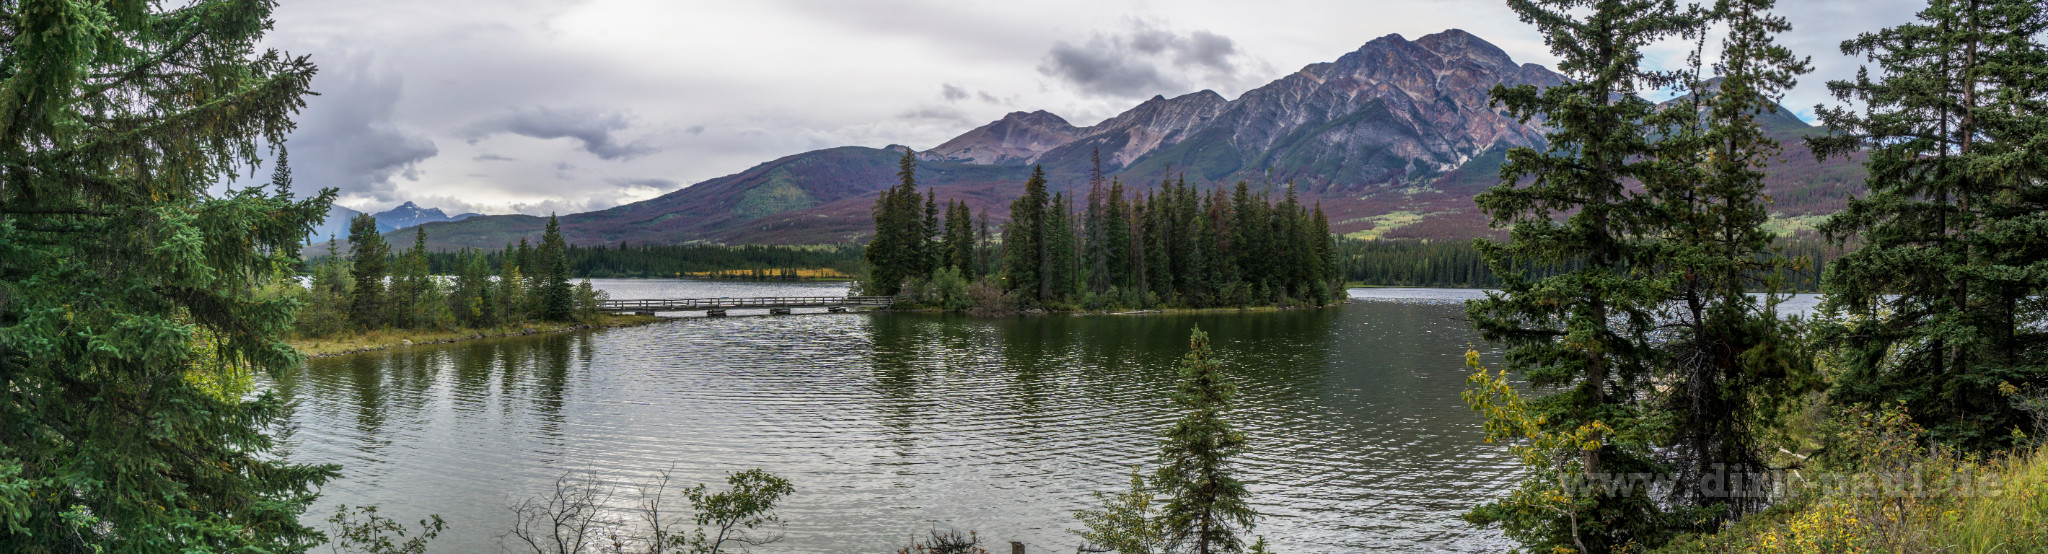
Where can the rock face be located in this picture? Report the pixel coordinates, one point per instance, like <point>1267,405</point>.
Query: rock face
<point>1017,138</point>
<point>1391,111</point>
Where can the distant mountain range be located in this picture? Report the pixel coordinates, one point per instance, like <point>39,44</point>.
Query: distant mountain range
<point>1394,139</point>
<point>404,216</point>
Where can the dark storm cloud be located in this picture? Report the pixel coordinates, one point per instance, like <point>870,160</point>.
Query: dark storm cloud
<point>594,128</point>
<point>1143,61</point>
<point>347,137</point>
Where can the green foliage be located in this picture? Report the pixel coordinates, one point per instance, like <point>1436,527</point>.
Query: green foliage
<point>736,516</point>
<point>1204,509</point>
<point>117,264</point>
<point>1948,288</point>
<point>371,257</point>
<point>1128,522</point>
<point>1586,332</point>
<point>362,530</point>
<point>901,247</point>
<point>557,301</point>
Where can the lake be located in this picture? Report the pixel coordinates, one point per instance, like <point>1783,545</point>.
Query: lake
<point>891,425</point>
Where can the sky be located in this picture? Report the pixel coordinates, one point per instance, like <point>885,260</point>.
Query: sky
<point>536,107</point>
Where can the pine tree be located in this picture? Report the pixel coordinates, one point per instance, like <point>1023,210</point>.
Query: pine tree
<point>1585,332</point>
<point>1026,262</point>
<point>1204,510</point>
<point>1712,216</point>
<point>1095,240</point>
<point>127,290</point>
<point>900,248</point>
<point>1116,238</point>
<point>1946,286</point>
<point>372,258</point>
<point>557,297</point>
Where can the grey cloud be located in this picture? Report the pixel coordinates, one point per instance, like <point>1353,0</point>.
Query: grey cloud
<point>1142,61</point>
<point>989,98</point>
<point>492,158</point>
<point>656,183</point>
<point>348,138</point>
<point>933,112</point>
<point>695,130</point>
<point>594,128</point>
<point>952,92</point>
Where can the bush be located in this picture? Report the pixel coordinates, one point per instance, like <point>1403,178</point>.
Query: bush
<point>990,300</point>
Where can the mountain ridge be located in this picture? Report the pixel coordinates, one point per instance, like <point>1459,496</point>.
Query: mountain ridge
<point>1393,138</point>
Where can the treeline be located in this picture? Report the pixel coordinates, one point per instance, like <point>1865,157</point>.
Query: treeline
<point>1174,246</point>
<point>680,260</point>
<point>1458,263</point>
<point>373,288</point>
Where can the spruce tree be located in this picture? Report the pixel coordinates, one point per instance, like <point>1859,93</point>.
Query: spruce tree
<point>1584,334</point>
<point>557,297</point>
<point>1204,509</point>
<point>125,284</point>
<point>1945,291</point>
<point>1116,237</point>
<point>1730,356</point>
<point>372,259</point>
<point>1025,261</point>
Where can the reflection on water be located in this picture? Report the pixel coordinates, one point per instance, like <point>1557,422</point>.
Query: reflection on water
<point>893,424</point>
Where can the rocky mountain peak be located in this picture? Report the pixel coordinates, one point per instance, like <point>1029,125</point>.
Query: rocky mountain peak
<point>1018,137</point>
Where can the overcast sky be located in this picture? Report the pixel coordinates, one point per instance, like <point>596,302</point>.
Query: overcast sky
<point>528,106</point>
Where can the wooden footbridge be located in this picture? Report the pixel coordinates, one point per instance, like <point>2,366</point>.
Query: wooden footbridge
<point>716,307</point>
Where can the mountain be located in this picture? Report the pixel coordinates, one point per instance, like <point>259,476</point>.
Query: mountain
<point>1393,139</point>
<point>404,216</point>
<point>410,214</point>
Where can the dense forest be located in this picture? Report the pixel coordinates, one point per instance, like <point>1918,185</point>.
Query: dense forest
<point>1174,246</point>
<point>375,288</point>
<point>1458,263</point>
<point>682,260</point>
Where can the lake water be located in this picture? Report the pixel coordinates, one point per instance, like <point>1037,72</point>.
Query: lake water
<point>891,425</point>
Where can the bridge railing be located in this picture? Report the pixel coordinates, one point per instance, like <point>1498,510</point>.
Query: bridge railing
<point>722,303</point>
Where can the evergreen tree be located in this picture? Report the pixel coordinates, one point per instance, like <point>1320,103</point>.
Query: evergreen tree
<point>411,285</point>
<point>128,311</point>
<point>1946,289</point>
<point>557,297</point>
<point>1096,222</point>
<point>1585,333</point>
<point>899,249</point>
<point>1732,351</point>
<point>1116,238</point>
<point>372,257</point>
<point>1204,510</point>
<point>931,258</point>
<point>1026,262</point>
<point>959,244</point>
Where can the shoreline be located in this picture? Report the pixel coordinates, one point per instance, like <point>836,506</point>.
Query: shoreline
<point>386,339</point>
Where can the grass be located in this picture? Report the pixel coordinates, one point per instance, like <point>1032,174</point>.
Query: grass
<point>1961,504</point>
<point>817,274</point>
<point>1385,222</point>
<point>380,339</point>
<point>1783,225</point>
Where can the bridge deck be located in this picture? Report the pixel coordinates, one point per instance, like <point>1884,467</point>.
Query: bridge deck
<point>743,303</point>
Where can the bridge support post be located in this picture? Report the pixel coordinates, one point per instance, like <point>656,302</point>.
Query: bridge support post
<point>836,309</point>
<point>643,313</point>
<point>714,313</point>
<point>778,311</point>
